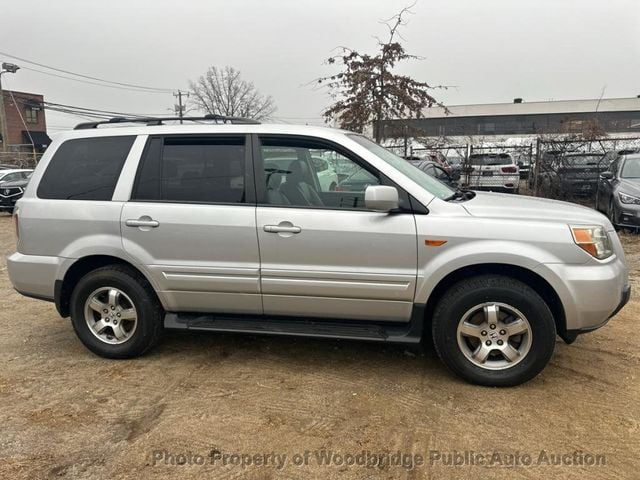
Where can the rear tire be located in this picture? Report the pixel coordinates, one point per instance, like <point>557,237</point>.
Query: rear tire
<point>115,312</point>
<point>462,331</point>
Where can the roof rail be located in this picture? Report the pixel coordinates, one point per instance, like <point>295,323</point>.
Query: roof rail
<point>158,120</point>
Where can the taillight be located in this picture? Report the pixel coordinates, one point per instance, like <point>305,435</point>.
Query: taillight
<point>16,224</point>
<point>509,169</point>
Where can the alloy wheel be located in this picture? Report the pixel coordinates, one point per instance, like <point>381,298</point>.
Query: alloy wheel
<point>494,336</point>
<point>110,315</point>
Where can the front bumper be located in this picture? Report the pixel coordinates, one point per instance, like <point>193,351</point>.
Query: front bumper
<point>9,197</point>
<point>628,214</point>
<point>7,204</point>
<point>591,293</point>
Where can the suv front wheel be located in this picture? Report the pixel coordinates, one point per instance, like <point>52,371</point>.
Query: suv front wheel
<point>115,312</point>
<point>493,330</point>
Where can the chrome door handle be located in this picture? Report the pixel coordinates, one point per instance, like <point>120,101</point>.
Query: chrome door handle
<point>142,222</point>
<point>281,229</point>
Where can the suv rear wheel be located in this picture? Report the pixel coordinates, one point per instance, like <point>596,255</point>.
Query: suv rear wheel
<point>493,330</point>
<point>115,312</point>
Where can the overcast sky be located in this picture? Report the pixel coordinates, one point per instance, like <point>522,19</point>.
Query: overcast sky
<point>489,51</point>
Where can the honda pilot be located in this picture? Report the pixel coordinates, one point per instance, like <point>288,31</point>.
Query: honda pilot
<point>152,227</point>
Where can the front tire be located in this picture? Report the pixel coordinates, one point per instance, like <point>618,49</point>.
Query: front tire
<point>493,330</point>
<point>115,312</point>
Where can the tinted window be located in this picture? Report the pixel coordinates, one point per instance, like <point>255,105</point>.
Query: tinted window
<point>85,168</point>
<point>189,169</point>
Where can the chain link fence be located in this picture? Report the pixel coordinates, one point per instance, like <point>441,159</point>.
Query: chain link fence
<point>552,167</point>
<point>570,169</point>
<point>20,158</point>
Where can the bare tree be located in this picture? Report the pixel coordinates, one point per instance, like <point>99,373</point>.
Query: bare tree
<point>367,90</point>
<point>222,91</point>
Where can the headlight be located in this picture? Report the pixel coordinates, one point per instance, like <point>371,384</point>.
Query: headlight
<point>593,240</point>
<point>624,198</point>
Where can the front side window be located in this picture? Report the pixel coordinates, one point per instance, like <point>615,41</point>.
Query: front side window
<point>85,168</point>
<point>305,173</point>
<point>193,170</point>
<point>430,184</point>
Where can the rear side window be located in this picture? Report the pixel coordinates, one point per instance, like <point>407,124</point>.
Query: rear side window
<point>193,170</point>
<point>85,168</point>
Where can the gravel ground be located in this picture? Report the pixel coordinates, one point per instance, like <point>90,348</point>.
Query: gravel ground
<point>176,413</point>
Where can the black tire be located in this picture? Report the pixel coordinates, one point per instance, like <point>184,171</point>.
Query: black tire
<point>150,314</point>
<point>471,292</point>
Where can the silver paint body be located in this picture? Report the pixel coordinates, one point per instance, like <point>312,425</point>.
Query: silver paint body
<point>342,264</point>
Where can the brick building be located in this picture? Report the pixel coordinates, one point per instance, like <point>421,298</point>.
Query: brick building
<point>30,107</point>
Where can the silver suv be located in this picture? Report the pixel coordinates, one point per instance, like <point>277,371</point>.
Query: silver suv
<point>227,226</point>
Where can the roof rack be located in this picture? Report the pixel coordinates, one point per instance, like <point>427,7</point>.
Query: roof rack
<point>149,121</point>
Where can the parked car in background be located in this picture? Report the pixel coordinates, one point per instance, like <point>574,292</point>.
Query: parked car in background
<point>11,192</point>
<point>327,177</point>
<point>5,166</point>
<point>358,181</point>
<point>493,171</point>
<point>440,159</point>
<point>618,193</point>
<point>435,170</point>
<point>456,164</point>
<point>571,174</point>
<point>11,174</point>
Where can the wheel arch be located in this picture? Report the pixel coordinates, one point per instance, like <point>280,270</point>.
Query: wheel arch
<point>535,281</point>
<point>64,288</point>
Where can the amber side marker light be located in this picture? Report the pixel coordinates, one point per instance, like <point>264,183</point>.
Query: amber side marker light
<point>593,240</point>
<point>434,243</point>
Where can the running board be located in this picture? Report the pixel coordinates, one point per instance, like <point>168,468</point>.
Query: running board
<point>410,332</point>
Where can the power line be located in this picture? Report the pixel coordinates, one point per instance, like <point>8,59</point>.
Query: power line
<point>93,83</point>
<point>165,90</point>
<point>27,100</point>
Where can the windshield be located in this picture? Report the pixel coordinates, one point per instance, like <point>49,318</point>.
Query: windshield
<point>631,168</point>
<point>430,184</point>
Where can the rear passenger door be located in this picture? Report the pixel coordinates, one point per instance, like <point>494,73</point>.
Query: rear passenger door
<point>191,222</point>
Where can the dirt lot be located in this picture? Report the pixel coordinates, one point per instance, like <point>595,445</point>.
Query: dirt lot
<point>65,413</point>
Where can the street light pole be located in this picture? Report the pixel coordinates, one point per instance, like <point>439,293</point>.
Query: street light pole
<point>4,130</point>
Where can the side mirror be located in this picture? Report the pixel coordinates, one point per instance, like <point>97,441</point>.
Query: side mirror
<point>606,175</point>
<point>381,198</point>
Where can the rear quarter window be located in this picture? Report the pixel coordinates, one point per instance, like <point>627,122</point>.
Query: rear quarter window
<point>85,168</point>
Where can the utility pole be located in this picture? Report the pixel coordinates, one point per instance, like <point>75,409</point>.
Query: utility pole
<point>4,129</point>
<point>3,118</point>
<point>180,108</point>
